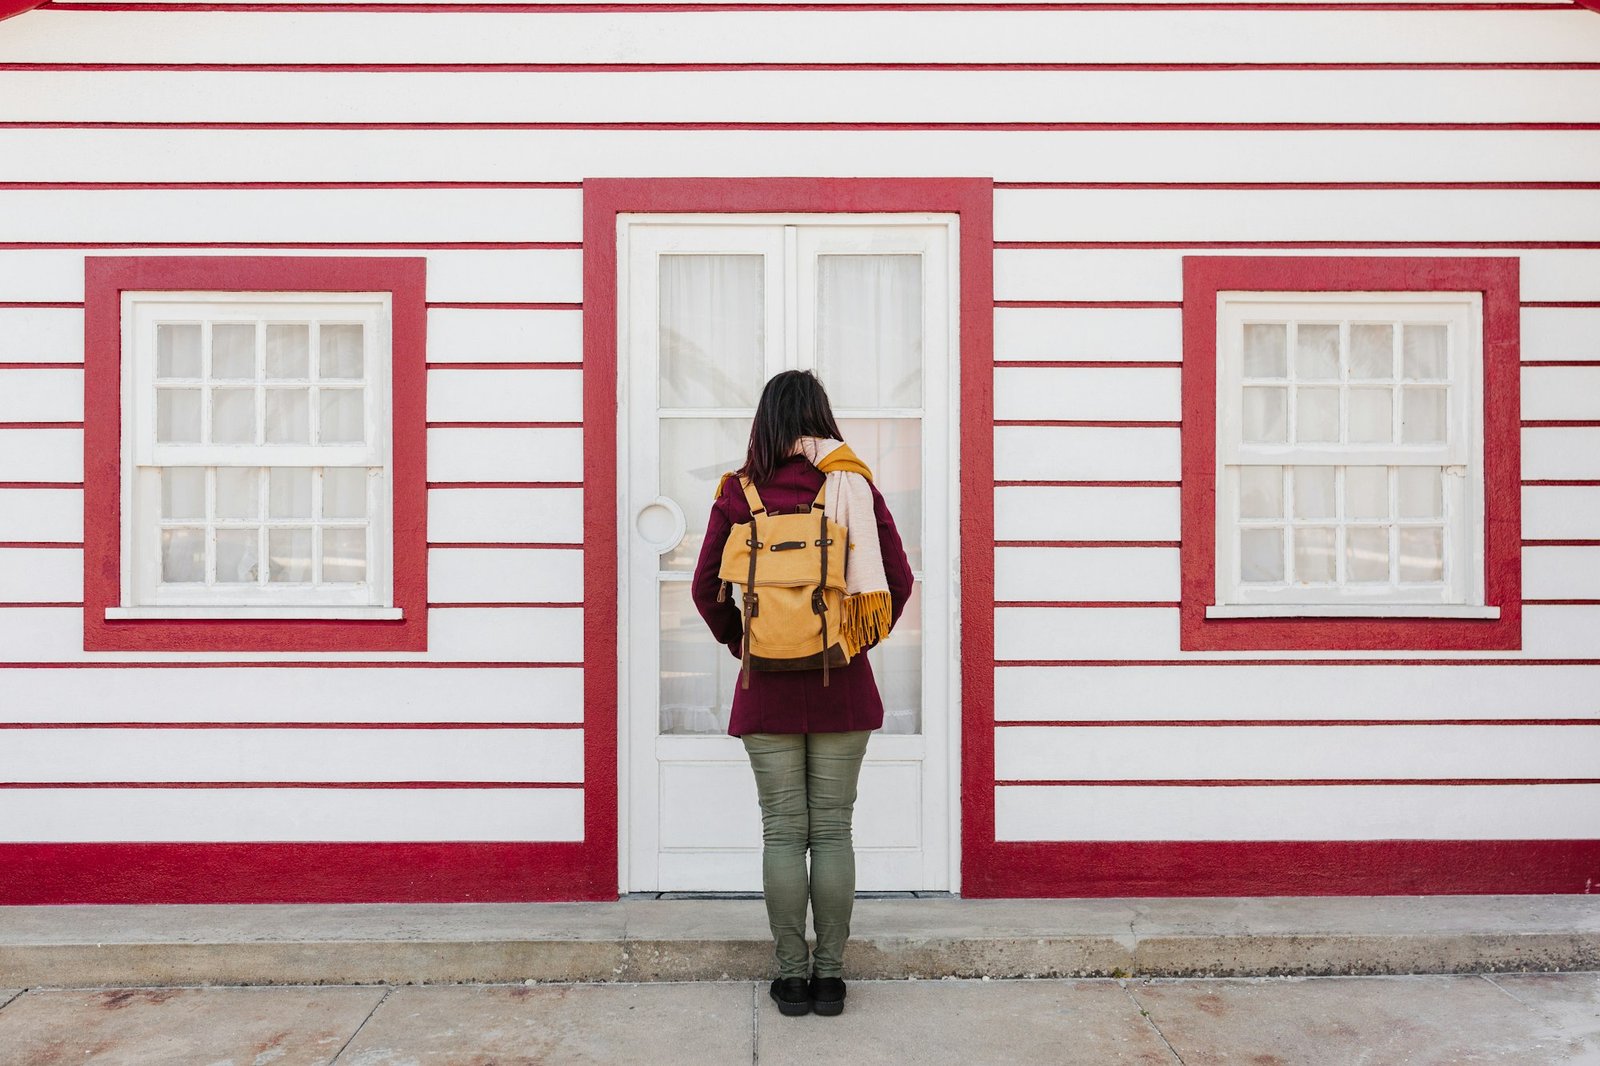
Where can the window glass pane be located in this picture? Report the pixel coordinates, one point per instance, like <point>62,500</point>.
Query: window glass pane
<point>1421,491</point>
<point>1371,351</point>
<point>177,349</point>
<point>1313,554</point>
<point>1366,492</point>
<point>344,554</point>
<point>869,329</point>
<point>1261,555</point>
<point>238,556</point>
<point>289,493</point>
<point>233,416</point>
<point>288,350</point>
<point>233,350</point>
<point>1424,351</point>
<point>1261,492</point>
<point>1314,492</point>
<point>340,419</point>
<point>892,450</point>
<point>288,416</point>
<point>183,555</point>
<point>1316,351</point>
<point>340,350</point>
<point>1265,417</point>
<point>897,666</point>
<point>1316,415</point>
<point>183,492</point>
<point>238,492</point>
<point>1371,416</point>
<point>712,333</point>
<point>698,675</point>
<point>344,492</point>
<point>1422,416</point>
<point>1266,350</point>
<point>1366,553</point>
<point>695,452</point>
<point>1421,553</point>
<point>178,415</point>
<point>288,555</point>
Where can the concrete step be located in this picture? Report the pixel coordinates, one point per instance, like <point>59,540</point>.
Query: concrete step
<point>655,939</point>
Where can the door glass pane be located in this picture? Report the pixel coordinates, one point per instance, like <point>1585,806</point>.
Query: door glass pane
<point>897,667</point>
<point>892,450</point>
<point>695,452</point>
<point>698,675</point>
<point>869,329</point>
<point>712,332</point>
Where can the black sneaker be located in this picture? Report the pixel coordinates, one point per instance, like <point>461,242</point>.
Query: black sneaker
<point>827,995</point>
<point>791,995</point>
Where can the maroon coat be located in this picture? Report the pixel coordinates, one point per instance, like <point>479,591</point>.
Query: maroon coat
<point>794,701</point>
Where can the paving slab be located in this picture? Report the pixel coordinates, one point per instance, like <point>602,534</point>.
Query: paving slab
<point>966,1023</point>
<point>705,1024</point>
<point>1570,1000</point>
<point>1355,1021</point>
<point>167,1026</point>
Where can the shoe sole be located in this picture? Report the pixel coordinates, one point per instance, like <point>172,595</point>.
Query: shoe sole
<point>828,1006</point>
<point>793,1010</point>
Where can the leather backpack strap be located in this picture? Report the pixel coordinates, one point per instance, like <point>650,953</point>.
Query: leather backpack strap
<point>752,604</point>
<point>752,497</point>
<point>819,600</point>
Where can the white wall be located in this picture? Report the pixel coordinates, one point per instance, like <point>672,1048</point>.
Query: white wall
<point>518,666</point>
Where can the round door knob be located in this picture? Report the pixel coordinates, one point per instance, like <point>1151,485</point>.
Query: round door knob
<point>660,524</point>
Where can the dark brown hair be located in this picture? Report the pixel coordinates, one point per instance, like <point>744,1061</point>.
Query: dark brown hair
<point>793,405</point>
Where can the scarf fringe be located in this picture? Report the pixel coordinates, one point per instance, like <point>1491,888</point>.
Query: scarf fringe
<point>867,618</point>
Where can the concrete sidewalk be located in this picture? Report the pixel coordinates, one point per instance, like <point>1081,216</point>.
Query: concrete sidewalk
<point>636,939</point>
<point>1517,1020</point>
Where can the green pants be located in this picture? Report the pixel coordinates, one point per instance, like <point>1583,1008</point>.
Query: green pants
<point>807,786</point>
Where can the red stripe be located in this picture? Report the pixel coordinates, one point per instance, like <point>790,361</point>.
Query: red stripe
<point>1086,423</point>
<point>1167,723</point>
<point>505,425</point>
<point>1116,364</point>
<point>41,544</point>
<point>1563,603</point>
<point>1165,245</point>
<point>1555,482</point>
<point>1569,543</point>
<point>1300,782</point>
<point>505,484</point>
<point>501,544</point>
<point>1084,603</point>
<point>1137,304</point>
<point>1561,303</point>
<point>1123,869</point>
<point>703,8</point>
<point>1561,362</point>
<point>508,603</point>
<point>505,366</point>
<point>1087,544</point>
<point>358,785</point>
<point>291,725</point>
<point>1000,663</point>
<point>504,305</point>
<point>668,68</point>
<point>1089,484</point>
<point>92,186</point>
<point>30,603</point>
<point>41,484</point>
<point>41,425</point>
<point>1269,186</point>
<point>40,366</point>
<point>277,665</point>
<point>352,245</point>
<point>865,127</point>
<point>1560,423</point>
<point>41,303</point>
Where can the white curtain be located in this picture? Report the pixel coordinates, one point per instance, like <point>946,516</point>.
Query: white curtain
<point>712,330</point>
<point>869,329</point>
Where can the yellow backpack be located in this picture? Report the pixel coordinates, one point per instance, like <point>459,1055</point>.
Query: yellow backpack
<point>791,567</point>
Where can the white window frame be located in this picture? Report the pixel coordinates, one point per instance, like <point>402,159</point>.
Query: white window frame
<point>143,595</point>
<point>1461,594</point>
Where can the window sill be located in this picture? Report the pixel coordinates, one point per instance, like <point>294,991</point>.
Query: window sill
<point>255,613</point>
<point>1352,610</point>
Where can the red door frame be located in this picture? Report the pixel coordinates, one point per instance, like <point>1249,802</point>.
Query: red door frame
<point>970,198</point>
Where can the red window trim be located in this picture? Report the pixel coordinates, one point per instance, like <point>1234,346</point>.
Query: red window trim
<point>973,200</point>
<point>105,277</point>
<point>1497,280</point>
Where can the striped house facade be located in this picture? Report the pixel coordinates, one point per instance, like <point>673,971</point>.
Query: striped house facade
<point>460,720</point>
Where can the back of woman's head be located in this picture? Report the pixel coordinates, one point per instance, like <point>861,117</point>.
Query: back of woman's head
<point>793,405</point>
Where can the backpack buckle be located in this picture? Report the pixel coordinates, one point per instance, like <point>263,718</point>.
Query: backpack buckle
<point>752,605</point>
<point>818,604</point>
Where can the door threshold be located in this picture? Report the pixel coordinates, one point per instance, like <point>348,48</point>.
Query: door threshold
<point>757,895</point>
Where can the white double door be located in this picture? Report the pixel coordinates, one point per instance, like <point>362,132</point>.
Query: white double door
<point>710,307</point>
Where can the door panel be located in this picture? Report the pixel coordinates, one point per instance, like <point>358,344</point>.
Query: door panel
<point>713,307</point>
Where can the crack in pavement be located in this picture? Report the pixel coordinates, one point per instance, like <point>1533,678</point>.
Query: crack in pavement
<point>13,998</point>
<point>1151,1022</point>
<point>337,1055</point>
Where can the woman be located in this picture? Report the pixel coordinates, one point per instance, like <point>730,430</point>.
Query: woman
<point>806,733</point>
